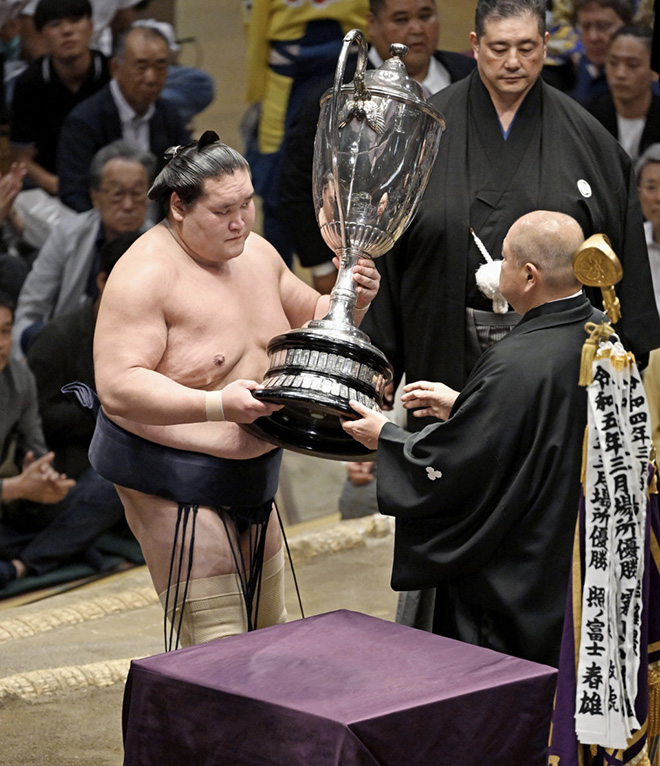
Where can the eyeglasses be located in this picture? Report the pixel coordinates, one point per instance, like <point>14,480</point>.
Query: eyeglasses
<point>115,196</point>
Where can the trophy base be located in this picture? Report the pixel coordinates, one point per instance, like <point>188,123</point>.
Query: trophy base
<point>313,374</point>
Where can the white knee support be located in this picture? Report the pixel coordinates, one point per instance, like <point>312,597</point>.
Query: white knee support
<point>272,608</point>
<point>214,608</point>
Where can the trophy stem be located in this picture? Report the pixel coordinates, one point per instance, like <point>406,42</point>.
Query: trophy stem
<point>343,297</point>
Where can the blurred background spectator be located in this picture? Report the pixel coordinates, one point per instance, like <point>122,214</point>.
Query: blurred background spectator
<point>110,17</point>
<point>128,107</point>
<point>188,89</point>
<point>629,109</point>
<point>288,45</point>
<point>647,170</point>
<point>63,276</point>
<point>596,21</point>
<point>52,85</point>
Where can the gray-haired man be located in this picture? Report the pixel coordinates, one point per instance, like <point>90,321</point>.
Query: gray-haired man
<point>63,275</point>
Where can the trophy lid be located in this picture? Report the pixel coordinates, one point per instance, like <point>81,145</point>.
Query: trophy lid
<point>392,75</point>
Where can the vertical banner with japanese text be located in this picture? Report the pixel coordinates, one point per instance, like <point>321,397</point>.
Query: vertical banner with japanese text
<point>618,448</point>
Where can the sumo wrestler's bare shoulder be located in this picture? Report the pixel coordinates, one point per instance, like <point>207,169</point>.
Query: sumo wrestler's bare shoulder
<point>150,264</point>
<point>259,251</point>
<point>295,298</point>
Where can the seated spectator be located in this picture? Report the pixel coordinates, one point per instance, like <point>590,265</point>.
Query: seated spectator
<point>187,88</point>
<point>358,495</point>
<point>630,110</point>
<point>110,17</point>
<point>53,85</point>
<point>20,432</point>
<point>597,21</point>
<point>128,107</point>
<point>47,518</point>
<point>63,276</point>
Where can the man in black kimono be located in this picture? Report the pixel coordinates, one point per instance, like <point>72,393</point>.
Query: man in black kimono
<point>513,144</point>
<point>486,502</point>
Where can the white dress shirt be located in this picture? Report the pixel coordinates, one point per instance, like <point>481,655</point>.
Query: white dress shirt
<point>134,128</point>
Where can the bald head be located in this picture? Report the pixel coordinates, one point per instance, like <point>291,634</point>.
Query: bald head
<point>538,253</point>
<point>548,240</point>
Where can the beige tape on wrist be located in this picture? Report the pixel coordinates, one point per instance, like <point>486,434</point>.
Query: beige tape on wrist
<point>214,408</point>
<point>364,308</point>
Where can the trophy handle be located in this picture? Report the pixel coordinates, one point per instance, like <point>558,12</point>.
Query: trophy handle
<point>354,36</point>
<point>344,296</point>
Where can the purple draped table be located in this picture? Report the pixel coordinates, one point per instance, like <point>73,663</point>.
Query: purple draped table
<point>338,688</point>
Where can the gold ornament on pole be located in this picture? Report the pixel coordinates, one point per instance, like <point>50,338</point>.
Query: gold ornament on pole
<point>595,264</point>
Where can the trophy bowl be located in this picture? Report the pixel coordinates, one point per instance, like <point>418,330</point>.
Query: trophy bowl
<point>376,141</point>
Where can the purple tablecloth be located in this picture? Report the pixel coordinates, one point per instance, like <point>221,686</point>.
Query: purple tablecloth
<point>339,688</point>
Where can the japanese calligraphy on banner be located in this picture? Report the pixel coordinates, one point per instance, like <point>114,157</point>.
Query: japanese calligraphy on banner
<point>618,447</point>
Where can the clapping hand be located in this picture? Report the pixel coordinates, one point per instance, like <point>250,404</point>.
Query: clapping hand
<point>40,482</point>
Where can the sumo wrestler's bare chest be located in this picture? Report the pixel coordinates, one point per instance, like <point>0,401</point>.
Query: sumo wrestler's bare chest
<point>220,333</point>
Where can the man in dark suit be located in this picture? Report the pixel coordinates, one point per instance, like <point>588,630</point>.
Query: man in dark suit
<point>128,107</point>
<point>630,110</point>
<point>414,23</point>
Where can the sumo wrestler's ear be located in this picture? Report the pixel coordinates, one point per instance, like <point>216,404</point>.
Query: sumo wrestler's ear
<point>177,207</point>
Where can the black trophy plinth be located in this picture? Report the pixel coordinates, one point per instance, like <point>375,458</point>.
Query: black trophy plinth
<point>314,375</point>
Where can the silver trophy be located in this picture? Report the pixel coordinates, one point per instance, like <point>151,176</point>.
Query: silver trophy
<point>376,141</point>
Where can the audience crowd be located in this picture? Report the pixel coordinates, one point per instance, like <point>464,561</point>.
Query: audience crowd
<point>94,96</point>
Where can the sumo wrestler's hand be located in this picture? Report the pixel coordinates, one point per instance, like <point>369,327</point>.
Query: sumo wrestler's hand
<point>429,399</point>
<point>240,406</point>
<point>367,428</point>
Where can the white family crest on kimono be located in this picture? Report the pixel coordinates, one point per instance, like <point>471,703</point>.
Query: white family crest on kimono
<point>584,188</point>
<point>432,473</point>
